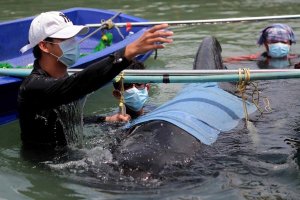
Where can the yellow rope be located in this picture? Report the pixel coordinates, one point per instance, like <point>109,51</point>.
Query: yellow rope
<point>266,101</point>
<point>122,108</point>
<point>244,79</point>
<point>256,100</point>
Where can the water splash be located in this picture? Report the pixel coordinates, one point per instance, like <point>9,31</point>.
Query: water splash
<point>71,118</point>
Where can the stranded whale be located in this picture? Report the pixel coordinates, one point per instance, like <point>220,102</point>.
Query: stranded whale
<point>176,131</point>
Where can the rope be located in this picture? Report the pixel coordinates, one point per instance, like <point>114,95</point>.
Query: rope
<point>122,108</point>
<point>244,79</point>
<point>256,100</point>
<point>266,102</point>
<point>109,24</point>
<point>120,33</point>
<point>91,34</point>
<point>105,24</point>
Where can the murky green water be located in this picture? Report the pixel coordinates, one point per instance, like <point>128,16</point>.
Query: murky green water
<point>233,168</point>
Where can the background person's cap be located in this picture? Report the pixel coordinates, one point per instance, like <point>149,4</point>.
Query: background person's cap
<point>277,32</point>
<point>51,24</point>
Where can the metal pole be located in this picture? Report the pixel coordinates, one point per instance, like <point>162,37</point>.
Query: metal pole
<point>210,78</point>
<point>205,21</point>
<point>200,72</point>
<point>17,72</point>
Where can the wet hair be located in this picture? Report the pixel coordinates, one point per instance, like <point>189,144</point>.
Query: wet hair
<point>37,51</point>
<point>135,65</point>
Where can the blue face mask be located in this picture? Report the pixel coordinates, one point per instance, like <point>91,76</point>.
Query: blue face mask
<point>135,98</point>
<point>278,50</point>
<point>70,50</point>
<point>71,53</point>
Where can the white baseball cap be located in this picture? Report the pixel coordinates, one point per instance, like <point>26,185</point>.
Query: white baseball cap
<point>52,24</point>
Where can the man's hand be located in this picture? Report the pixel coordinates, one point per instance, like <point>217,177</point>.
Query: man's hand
<point>118,118</point>
<point>150,40</point>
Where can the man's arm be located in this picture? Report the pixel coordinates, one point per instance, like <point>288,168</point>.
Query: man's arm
<point>242,58</point>
<point>47,92</point>
<point>113,118</point>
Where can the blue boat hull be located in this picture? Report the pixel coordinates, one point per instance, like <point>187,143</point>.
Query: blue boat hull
<point>8,101</point>
<point>14,35</point>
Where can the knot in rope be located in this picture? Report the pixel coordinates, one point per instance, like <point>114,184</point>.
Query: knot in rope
<point>244,79</point>
<point>108,24</point>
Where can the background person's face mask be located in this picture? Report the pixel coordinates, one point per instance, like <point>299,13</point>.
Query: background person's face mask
<point>278,50</point>
<point>135,98</point>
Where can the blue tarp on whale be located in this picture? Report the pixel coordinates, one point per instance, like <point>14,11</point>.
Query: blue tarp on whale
<point>201,109</point>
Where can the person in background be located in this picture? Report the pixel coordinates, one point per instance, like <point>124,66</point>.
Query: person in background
<point>135,96</point>
<point>50,100</point>
<point>277,40</point>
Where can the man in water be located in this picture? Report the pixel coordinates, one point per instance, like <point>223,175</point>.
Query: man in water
<point>49,99</point>
<point>277,40</point>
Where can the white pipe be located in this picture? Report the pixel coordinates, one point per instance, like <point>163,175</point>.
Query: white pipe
<point>205,21</point>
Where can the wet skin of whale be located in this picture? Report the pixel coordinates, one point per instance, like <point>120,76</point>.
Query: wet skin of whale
<point>150,146</point>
